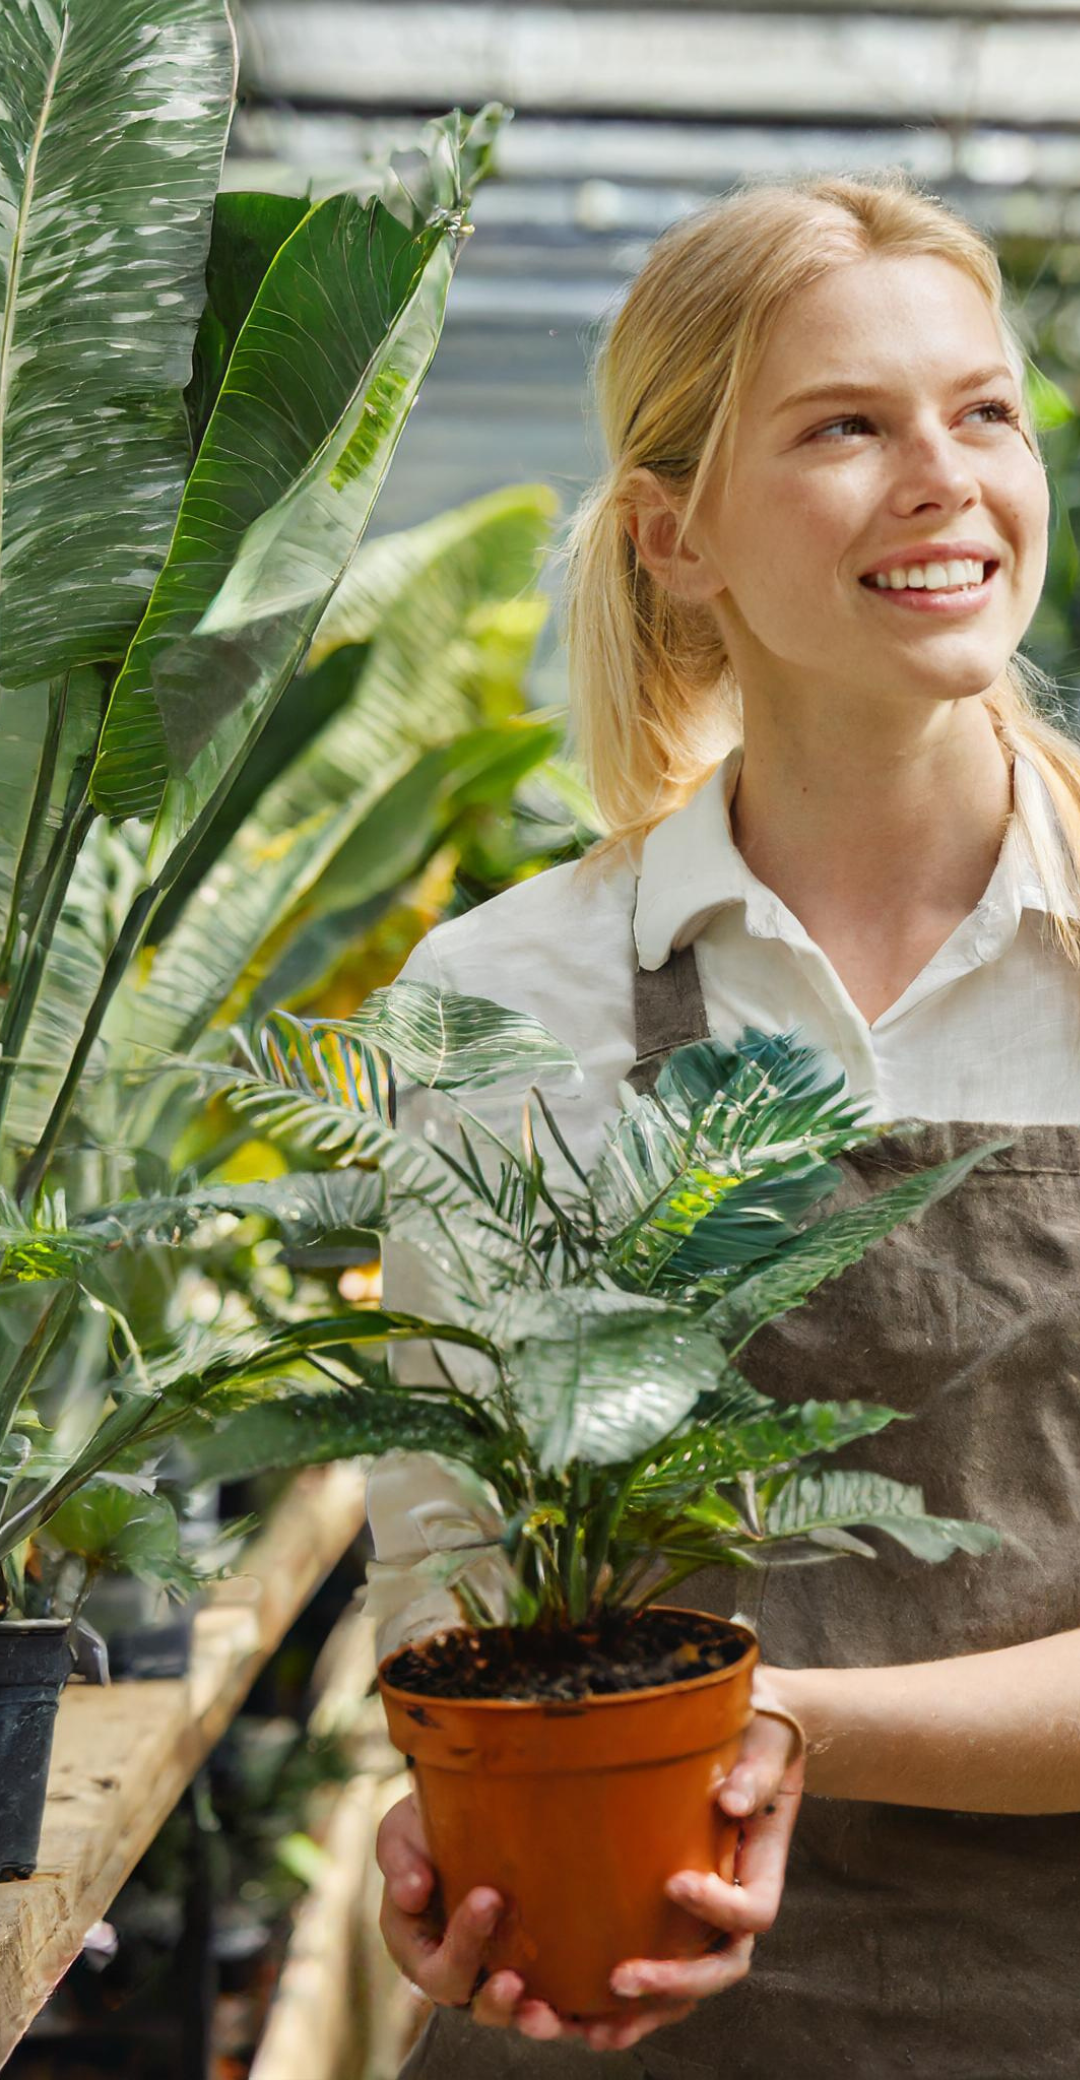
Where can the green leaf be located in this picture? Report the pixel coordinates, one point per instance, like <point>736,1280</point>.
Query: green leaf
<point>601,1376</point>
<point>1047,402</point>
<point>768,1092</point>
<point>324,373</point>
<point>106,184</point>
<point>441,1038</point>
<point>117,1523</point>
<point>816,1503</point>
<point>325,828</point>
<point>307,1429</point>
<point>827,1248</point>
<point>305,1208</point>
<point>248,230</point>
<point>745,1439</point>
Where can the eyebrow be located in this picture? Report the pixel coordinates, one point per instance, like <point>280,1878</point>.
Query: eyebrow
<point>819,391</point>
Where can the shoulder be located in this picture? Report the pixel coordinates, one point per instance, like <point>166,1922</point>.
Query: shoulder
<point>542,940</point>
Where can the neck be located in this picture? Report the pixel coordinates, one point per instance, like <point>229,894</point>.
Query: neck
<point>891,832</point>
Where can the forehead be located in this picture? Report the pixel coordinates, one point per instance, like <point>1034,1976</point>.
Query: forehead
<point>882,319</point>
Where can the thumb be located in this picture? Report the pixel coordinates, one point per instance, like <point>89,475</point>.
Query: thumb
<point>767,1751</point>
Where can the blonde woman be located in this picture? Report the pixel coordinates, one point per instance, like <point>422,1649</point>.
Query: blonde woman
<point>795,607</point>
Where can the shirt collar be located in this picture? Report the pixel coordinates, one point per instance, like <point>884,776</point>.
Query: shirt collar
<point>691,867</point>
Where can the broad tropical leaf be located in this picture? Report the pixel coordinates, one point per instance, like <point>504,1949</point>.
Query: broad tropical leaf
<point>247,231</point>
<point>601,1376</point>
<point>104,230</point>
<point>279,497</point>
<point>337,816</point>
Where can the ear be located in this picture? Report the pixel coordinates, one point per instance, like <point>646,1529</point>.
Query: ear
<point>651,511</point>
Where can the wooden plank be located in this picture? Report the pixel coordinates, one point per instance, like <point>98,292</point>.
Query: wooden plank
<point>122,1756</point>
<point>826,68</point>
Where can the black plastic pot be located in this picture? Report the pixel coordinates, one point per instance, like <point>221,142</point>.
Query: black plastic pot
<point>35,1662</point>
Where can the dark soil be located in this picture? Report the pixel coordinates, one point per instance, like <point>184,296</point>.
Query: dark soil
<point>635,1651</point>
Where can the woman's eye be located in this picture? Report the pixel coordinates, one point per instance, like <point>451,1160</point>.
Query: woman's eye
<point>1004,412</point>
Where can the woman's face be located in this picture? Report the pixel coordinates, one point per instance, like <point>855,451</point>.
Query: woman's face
<point>824,489</point>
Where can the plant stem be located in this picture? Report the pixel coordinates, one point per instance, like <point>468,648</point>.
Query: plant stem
<point>37,1348</point>
<point>128,938</point>
<point>46,772</point>
<point>20,1004</point>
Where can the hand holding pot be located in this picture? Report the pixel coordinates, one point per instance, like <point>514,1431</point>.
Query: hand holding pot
<point>762,1790</point>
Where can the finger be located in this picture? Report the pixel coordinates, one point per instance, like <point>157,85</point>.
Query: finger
<point>765,1841</point>
<point>749,1907</point>
<point>401,1854</point>
<point>443,1963</point>
<point>760,1768</point>
<point>685,1978</point>
<point>497,1999</point>
<point>537,2020</point>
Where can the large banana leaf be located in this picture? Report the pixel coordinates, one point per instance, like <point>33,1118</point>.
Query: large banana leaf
<point>420,686</point>
<point>324,373</point>
<point>247,232</point>
<point>107,180</point>
<point>63,971</point>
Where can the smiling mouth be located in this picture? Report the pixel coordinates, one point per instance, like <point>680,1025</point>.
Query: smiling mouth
<point>920,592</point>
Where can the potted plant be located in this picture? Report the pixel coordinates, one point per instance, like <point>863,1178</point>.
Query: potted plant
<point>566,1733</point>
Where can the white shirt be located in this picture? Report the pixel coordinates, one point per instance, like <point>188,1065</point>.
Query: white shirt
<point>989,1030</point>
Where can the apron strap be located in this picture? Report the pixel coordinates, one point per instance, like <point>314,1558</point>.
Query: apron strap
<point>669,1011</point>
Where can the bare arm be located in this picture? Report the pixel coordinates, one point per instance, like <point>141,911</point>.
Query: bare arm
<point>994,1732</point>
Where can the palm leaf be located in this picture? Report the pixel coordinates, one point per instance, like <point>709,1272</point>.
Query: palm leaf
<point>718,1166</point>
<point>826,1249</point>
<point>306,1209</point>
<point>767,1437</point>
<point>770,1091</point>
<point>441,1038</point>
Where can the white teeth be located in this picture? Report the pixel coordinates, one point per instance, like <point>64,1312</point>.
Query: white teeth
<point>931,577</point>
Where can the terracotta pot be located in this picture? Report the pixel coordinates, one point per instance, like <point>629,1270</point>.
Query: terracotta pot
<point>577,1813</point>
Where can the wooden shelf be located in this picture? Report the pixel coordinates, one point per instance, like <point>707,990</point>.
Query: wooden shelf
<point>122,1756</point>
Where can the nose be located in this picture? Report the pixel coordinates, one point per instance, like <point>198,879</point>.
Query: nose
<point>933,469</point>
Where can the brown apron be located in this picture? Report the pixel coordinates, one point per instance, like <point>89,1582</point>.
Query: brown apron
<point>909,1940</point>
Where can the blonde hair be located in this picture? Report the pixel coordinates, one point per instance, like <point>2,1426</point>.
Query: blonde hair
<point>654,700</point>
